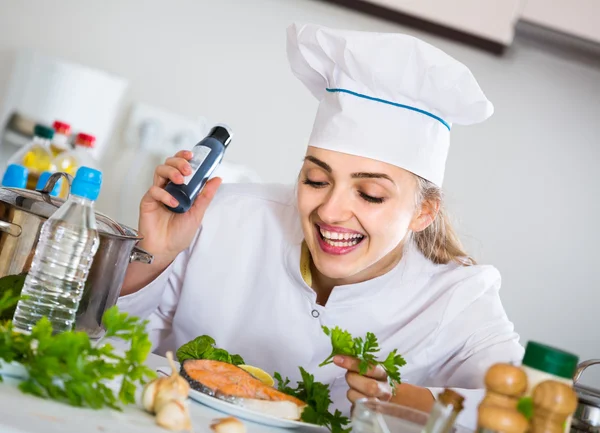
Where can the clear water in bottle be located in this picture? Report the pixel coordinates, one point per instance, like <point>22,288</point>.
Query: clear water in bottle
<point>68,242</point>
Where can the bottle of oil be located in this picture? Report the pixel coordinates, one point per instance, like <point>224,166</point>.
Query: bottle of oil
<point>70,161</point>
<point>60,141</point>
<point>35,156</point>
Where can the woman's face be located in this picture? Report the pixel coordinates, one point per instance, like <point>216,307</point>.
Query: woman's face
<point>355,212</point>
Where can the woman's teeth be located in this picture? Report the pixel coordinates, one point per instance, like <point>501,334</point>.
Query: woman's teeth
<point>336,239</point>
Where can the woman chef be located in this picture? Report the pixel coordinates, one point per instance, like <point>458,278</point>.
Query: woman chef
<point>361,242</point>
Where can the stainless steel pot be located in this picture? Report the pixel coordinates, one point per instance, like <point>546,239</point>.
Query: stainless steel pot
<point>587,415</point>
<point>22,213</point>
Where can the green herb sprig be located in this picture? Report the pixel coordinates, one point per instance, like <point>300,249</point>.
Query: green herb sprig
<point>66,366</point>
<point>317,397</point>
<point>203,347</point>
<point>365,350</point>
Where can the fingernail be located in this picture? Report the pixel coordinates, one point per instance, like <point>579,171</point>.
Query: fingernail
<point>174,202</point>
<point>338,359</point>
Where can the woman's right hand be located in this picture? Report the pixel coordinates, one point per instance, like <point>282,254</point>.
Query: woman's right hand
<point>165,233</point>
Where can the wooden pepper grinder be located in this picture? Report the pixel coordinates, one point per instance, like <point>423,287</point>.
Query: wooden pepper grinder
<point>498,419</point>
<point>553,403</point>
<point>505,384</point>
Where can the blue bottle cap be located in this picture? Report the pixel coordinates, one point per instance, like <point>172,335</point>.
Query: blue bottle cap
<point>87,183</point>
<point>44,179</point>
<point>15,176</point>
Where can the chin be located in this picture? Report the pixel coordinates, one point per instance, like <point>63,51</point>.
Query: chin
<point>337,271</point>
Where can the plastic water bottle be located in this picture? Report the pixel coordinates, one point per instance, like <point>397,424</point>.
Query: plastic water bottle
<point>62,260</point>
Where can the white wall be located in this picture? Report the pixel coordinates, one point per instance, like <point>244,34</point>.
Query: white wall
<point>523,186</point>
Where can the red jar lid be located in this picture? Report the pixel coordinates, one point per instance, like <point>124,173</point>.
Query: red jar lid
<point>85,140</point>
<point>61,127</point>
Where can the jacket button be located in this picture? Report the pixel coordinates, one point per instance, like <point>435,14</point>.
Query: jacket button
<point>315,313</point>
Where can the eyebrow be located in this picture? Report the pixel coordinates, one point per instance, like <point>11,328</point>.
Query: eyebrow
<point>361,175</point>
<point>320,163</point>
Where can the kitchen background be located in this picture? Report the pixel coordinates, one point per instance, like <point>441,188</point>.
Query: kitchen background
<point>150,77</point>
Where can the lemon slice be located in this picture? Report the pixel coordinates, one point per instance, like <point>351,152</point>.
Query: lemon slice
<point>260,374</point>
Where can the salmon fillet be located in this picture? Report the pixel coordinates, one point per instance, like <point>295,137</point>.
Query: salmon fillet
<point>215,376</point>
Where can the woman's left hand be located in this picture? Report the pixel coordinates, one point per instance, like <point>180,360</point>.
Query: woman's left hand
<point>374,384</point>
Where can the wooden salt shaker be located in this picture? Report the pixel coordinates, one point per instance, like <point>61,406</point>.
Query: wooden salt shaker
<point>553,403</point>
<point>505,384</point>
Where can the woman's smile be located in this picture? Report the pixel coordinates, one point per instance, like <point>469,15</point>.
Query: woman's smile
<point>337,240</point>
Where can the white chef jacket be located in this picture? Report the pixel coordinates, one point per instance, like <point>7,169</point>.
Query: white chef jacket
<point>240,283</point>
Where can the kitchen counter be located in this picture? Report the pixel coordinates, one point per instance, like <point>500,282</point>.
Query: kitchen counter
<point>22,413</point>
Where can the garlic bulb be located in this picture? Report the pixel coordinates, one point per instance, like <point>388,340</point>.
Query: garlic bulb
<point>228,425</point>
<point>166,397</point>
<point>174,415</point>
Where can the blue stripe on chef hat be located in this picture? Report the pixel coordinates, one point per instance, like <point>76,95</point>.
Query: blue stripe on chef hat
<point>395,104</point>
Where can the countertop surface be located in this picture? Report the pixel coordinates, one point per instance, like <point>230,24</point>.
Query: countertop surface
<point>22,413</point>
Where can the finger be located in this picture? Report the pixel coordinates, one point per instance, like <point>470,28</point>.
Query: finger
<point>352,364</point>
<point>180,164</point>
<point>165,173</point>
<point>369,387</point>
<point>186,154</point>
<point>162,196</point>
<point>353,395</point>
<point>172,170</point>
<point>205,197</point>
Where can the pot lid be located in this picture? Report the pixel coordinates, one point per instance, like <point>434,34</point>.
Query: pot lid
<point>587,416</point>
<point>588,395</point>
<point>44,205</point>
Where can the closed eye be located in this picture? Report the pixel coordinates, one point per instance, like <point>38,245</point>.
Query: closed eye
<point>371,199</point>
<point>366,197</point>
<point>314,184</point>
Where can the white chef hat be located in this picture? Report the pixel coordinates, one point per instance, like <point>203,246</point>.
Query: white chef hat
<point>385,96</point>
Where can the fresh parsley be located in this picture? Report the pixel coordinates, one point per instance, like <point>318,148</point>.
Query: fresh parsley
<point>68,368</point>
<point>365,350</point>
<point>203,347</point>
<point>317,397</point>
<point>10,285</point>
<point>525,407</point>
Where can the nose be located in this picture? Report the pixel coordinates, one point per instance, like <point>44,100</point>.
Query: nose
<point>336,208</point>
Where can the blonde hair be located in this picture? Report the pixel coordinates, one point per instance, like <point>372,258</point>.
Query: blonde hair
<point>439,242</point>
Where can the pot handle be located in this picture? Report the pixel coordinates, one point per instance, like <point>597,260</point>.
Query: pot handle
<point>582,366</point>
<point>51,183</point>
<point>10,228</point>
<point>139,255</point>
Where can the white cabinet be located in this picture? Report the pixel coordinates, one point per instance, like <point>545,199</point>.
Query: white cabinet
<point>579,18</point>
<point>493,20</point>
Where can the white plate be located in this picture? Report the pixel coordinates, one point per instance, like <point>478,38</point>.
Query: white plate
<point>13,369</point>
<point>244,413</point>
